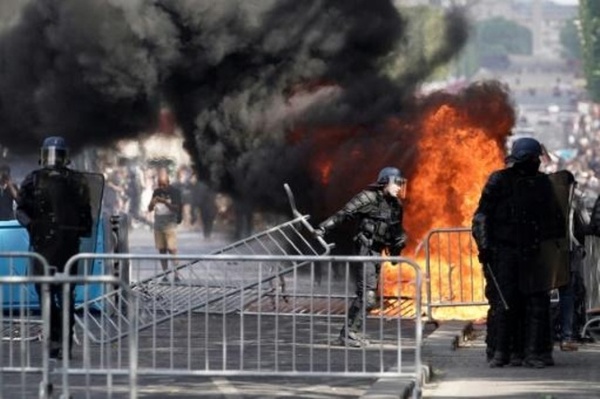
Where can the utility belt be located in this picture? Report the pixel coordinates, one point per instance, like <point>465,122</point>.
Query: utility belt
<point>365,241</point>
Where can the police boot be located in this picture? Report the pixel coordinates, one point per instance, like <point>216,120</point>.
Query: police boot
<point>500,359</point>
<point>489,354</point>
<point>516,359</point>
<point>547,359</point>
<point>350,339</point>
<point>534,362</point>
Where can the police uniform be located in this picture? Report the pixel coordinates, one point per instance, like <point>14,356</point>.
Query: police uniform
<point>380,227</point>
<point>54,206</point>
<point>508,227</point>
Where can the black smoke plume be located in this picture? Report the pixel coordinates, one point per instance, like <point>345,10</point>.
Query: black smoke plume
<point>241,76</point>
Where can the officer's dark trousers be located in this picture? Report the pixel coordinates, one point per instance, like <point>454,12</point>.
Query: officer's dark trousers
<point>57,255</point>
<point>538,342</point>
<point>56,312</point>
<point>508,315</point>
<point>367,278</point>
<point>491,294</point>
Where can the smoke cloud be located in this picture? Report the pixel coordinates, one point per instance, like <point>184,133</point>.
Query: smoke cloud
<point>243,78</point>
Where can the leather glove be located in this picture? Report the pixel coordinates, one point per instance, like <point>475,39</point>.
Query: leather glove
<point>320,232</point>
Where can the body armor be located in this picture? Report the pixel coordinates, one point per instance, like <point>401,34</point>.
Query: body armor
<point>380,227</point>
<point>380,221</point>
<point>521,220</point>
<point>54,206</point>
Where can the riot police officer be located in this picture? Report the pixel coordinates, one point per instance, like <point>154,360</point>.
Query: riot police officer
<point>516,212</point>
<point>54,206</point>
<point>378,210</point>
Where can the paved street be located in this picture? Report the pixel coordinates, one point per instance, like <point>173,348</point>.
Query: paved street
<point>463,372</point>
<point>199,353</point>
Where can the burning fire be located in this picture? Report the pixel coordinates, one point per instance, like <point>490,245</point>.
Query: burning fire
<point>456,156</point>
<point>447,154</point>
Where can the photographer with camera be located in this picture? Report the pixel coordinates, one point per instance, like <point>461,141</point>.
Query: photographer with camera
<point>8,194</point>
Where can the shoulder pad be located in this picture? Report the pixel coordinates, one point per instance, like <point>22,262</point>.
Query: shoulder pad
<point>361,199</point>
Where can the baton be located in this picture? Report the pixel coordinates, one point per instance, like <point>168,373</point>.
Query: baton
<point>487,265</point>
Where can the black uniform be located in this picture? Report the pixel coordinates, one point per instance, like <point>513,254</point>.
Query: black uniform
<point>54,206</point>
<point>380,227</point>
<point>507,229</point>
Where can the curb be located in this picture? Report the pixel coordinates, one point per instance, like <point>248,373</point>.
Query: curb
<point>447,337</point>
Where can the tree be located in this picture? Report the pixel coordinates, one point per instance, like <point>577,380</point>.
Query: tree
<point>498,37</point>
<point>570,40</point>
<point>589,15</point>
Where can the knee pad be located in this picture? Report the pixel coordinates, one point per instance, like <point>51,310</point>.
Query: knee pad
<point>370,300</point>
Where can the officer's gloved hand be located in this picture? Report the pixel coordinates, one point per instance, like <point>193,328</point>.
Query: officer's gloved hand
<point>319,232</point>
<point>396,249</point>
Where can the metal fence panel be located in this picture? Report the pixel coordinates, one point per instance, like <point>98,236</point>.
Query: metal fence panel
<point>272,332</point>
<point>454,275</point>
<point>162,298</point>
<point>27,370</point>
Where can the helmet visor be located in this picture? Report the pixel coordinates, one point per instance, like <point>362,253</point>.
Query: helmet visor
<point>397,186</point>
<point>52,156</point>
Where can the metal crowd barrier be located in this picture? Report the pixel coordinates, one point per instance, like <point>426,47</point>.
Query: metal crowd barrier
<point>454,275</point>
<point>19,301</point>
<point>162,297</point>
<point>27,370</point>
<point>248,327</point>
<point>591,278</point>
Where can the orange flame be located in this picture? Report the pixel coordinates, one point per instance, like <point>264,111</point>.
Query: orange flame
<point>456,156</point>
<point>447,150</point>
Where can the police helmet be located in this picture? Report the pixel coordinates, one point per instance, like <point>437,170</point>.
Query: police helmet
<point>389,174</point>
<point>54,152</point>
<point>524,149</point>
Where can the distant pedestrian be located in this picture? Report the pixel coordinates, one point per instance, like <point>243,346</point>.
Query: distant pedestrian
<point>567,293</point>
<point>8,194</point>
<point>166,205</point>
<point>184,186</point>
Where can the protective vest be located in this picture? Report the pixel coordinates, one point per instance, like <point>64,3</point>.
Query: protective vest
<point>380,220</point>
<point>57,203</point>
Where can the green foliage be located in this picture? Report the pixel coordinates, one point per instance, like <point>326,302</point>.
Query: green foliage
<point>433,39</point>
<point>570,40</point>
<point>493,40</point>
<point>425,33</point>
<point>501,36</point>
<point>589,16</point>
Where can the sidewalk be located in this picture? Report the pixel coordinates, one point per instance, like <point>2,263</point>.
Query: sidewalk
<point>459,369</point>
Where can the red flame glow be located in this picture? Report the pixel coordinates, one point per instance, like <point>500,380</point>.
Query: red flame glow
<point>447,151</point>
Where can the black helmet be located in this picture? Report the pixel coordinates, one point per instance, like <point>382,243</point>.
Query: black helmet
<point>54,152</point>
<point>389,174</point>
<point>524,149</point>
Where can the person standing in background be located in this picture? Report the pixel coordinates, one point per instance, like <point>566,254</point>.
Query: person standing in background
<point>8,194</point>
<point>166,205</point>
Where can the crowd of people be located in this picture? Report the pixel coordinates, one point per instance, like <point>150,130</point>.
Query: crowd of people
<point>582,158</point>
<point>129,187</point>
